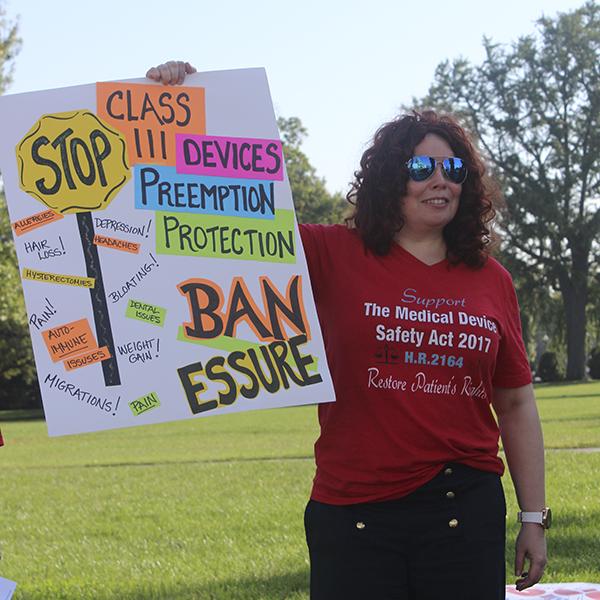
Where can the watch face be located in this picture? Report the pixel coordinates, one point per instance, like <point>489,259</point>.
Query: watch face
<point>547,518</point>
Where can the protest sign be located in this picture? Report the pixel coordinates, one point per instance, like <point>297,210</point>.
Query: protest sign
<point>7,588</point>
<point>163,272</point>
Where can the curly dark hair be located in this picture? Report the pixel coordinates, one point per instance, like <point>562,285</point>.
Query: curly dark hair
<point>382,179</point>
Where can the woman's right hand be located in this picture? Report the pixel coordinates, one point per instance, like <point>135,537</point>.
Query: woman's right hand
<point>171,73</point>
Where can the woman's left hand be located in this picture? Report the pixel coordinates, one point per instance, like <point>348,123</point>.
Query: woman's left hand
<point>531,546</point>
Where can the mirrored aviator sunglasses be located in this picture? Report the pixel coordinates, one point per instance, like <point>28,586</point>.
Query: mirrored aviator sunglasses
<point>421,168</point>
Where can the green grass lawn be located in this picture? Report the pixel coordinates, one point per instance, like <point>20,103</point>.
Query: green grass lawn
<point>570,414</point>
<point>212,508</point>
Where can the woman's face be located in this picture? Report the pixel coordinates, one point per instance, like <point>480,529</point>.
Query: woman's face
<point>431,204</point>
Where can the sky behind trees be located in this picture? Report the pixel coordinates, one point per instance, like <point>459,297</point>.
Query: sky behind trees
<point>342,67</point>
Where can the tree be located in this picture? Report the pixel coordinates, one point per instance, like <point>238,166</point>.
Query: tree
<point>10,45</point>
<point>314,204</point>
<point>18,383</point>
<point>594,363</point>
<point>548,368</point>
<point>542,318</point>
<point>535,109</point>
<point>17,370</point>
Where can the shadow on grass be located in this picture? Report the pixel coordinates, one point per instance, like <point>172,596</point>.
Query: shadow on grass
<point>278,587</point>
<point>549,384</point>
<point>292,586</point>
<point>32,414</point>
<point>208,461</point>
<point>168,463</point>
<point>572,419</point>
<point>568,396</point>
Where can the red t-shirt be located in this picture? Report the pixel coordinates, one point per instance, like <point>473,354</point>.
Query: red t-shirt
<point>414,352</point>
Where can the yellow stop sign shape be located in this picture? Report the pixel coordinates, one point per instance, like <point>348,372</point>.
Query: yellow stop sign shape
<point>73,162</point>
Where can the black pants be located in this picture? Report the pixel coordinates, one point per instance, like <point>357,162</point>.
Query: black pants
<point>446,540</point>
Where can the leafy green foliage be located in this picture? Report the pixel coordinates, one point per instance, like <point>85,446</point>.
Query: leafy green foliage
<point>594,363</point>
<point>534,108</point>
<point>314,204</point>
<point>542,313</point>
<point>17,369</point>
<point>10,45</point>
<point>548,367</point>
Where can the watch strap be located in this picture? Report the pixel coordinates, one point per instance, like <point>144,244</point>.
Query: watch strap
<point>543,517</point>
<point>531,517</point>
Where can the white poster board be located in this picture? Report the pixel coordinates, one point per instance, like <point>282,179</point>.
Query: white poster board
<point>7,588</point>
<point>162,267</point>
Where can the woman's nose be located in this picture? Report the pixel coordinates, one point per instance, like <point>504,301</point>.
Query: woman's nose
<point>438,177</point>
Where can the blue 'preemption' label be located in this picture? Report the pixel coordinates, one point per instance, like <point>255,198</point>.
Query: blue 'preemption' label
<point>162,188</point>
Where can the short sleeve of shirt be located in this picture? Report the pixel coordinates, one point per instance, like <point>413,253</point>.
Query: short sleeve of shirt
<point>314,249</point>
<point>512,365</point>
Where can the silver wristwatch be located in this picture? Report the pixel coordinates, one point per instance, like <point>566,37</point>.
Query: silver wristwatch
<point>543,517</point>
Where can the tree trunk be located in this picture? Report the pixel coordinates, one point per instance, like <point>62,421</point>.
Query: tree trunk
<point>574,291</point>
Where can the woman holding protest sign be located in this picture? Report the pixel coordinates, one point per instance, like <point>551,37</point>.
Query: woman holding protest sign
<point>422,332</point>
